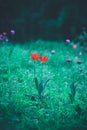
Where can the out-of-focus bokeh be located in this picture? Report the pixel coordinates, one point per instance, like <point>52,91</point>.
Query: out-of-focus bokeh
<point>46,19</point>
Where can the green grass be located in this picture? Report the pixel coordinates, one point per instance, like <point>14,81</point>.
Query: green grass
<point>64,103</point>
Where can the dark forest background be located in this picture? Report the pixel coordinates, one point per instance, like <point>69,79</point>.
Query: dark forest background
<point>46,19</point>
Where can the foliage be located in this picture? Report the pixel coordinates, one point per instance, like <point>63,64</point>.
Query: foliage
<point>64,103</point>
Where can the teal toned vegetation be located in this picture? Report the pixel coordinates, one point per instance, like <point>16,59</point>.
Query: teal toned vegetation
<point>57,103</point>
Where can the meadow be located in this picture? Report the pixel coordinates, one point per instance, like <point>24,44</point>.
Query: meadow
<point>49,95</point>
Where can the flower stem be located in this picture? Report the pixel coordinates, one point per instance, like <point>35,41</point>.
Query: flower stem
<point>34,70</point>
<point>42,72</point>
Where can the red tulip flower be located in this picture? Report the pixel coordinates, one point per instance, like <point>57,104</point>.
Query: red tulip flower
<point>35,57</point>
<point>39,86</point>
<point>43,58</point>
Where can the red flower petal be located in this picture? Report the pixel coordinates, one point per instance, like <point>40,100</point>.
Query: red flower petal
<point>43,58</point>
<point>35,56</point>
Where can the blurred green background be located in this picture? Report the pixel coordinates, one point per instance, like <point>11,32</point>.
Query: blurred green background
<point>46,19</point>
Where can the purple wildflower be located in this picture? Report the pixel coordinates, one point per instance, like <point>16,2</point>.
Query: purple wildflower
<point>52,51</point>
<point>1,37</point>
<point>86,49</point>
<point>74,46</point>
<point>79,62</point>
<point>12,32</point>
<point>68,60</point>
<point>4,33</point>
<point>67,41</point>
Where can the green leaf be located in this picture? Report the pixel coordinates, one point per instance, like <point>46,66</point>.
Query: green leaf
<point>10,52</point>
<point>73,89</point>
<point>41,87</point>
<point>46,82</point>
<point>72,92</point>
<point>36,83</point>
<point>71,97</point>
